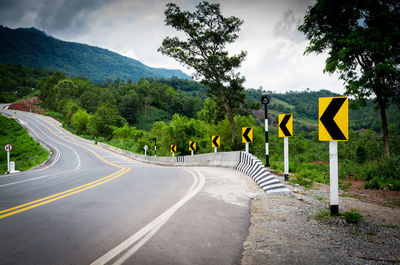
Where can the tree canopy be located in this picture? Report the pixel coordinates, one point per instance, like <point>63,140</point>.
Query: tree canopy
<point>362,38</point>
<point>204,49</point>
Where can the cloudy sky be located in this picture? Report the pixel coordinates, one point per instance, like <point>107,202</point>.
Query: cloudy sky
<point>136,28</point>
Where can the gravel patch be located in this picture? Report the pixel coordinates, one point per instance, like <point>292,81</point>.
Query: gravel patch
<point>284,230</point>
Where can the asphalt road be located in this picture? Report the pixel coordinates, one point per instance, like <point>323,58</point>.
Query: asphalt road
<point>88,205</point>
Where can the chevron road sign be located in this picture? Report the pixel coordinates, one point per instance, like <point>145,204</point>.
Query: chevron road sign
<point>192,146</point>
<point>173,148</point>
<point>285,125</point>
<point>334,119</point>
<point>247,134</point>
<point>215,141</point>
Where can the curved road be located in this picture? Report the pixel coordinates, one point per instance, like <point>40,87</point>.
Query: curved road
<point>92,206</point>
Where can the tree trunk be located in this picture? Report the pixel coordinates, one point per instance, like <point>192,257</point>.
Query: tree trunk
<point>230,115</point>
<point>382,106</point>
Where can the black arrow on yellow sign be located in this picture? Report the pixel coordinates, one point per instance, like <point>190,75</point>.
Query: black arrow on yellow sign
<point>248,135</point>
<point>173,148</point>
<point>192,146</point>
<point>328,116</point>
<point>283,123</point>
<point>215,141</point>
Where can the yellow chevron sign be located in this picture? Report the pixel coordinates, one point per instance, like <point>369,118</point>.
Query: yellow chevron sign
<point>285,127</point>
<point>247,134</point>
<point>173,148</point>
<point>215,141</point>
<point>192,146</point>
<point>333,119</point>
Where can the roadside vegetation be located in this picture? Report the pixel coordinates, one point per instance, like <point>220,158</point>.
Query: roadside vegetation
<point>26,153</point>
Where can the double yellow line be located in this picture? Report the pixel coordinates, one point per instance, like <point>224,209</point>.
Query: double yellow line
<point>55,197</point>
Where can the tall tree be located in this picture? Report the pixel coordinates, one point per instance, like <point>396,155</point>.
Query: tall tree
<point>204,49</point>
<point>362,38</point>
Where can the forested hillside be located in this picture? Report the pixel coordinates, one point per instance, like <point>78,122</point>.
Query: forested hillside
<point>31,47</point>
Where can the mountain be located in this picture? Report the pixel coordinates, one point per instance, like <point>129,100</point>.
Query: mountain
<point>32,47</point>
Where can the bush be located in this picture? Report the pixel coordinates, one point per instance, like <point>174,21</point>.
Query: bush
<point>383,174</point>
<point>80,120</point>
<point>352,216</point>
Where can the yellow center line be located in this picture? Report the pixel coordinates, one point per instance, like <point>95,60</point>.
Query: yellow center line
<point>57,196</point>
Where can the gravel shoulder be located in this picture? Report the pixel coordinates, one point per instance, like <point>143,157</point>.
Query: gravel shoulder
<point>284,230</point>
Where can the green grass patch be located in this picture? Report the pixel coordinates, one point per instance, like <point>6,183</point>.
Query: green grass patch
<point>322,214</point>
<point>389,226</point>
<point>26,152</point>
<point>350,196</point>
<point>352,216</point>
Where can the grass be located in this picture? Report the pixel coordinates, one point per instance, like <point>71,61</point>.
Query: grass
<point>26,152</point>
<point>352,216</point>
<point>350,196</point>
<point>390,226</point>
<point>322,214</point>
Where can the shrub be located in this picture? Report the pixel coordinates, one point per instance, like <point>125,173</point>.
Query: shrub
<point>352,216</point>
<point>383,174</point>
<point>79,121</point>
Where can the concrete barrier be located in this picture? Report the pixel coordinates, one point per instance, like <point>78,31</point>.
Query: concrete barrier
<point>253,167</point>
<point>222,159</point>
<point>244,162</point>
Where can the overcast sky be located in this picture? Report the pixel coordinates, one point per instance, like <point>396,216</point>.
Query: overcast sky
<point>136,28</point>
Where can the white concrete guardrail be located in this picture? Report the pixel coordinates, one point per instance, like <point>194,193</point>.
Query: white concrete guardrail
<point>242,161</point>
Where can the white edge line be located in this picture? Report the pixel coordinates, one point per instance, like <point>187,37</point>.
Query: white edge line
<point>151,227</point>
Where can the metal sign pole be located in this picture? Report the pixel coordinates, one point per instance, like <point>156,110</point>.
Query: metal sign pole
<point>333,171</point>
<point>247,147</point>
<point>191,152</point>
<point>8,162</point>
<point>286,156</point>
<point>215,149</point>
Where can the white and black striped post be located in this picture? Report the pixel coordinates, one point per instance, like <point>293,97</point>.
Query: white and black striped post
<point>265,100</point>
<point>155,146</point>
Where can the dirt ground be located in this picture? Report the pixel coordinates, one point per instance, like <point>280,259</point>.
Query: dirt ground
<point>285,229</point>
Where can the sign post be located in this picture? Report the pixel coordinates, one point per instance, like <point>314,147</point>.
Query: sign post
<point>286,130</point>
<point>333,127</point>
<point>8,148</point>
<point>145,150</point>
<point>155,146</point>
<point>192,147</point>
<point>265,99</point>
<point>247,136</point>
<point>215,142</point>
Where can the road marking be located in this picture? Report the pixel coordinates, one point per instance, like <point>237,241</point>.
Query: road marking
<point>54,197</point>
<point>144,234</point>
<point>84,147</point>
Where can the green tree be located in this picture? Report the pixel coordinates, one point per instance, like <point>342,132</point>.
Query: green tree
<point>80,120</point>
<point>362,38</point>
<point>104,119</point>
<point>207,33</point>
